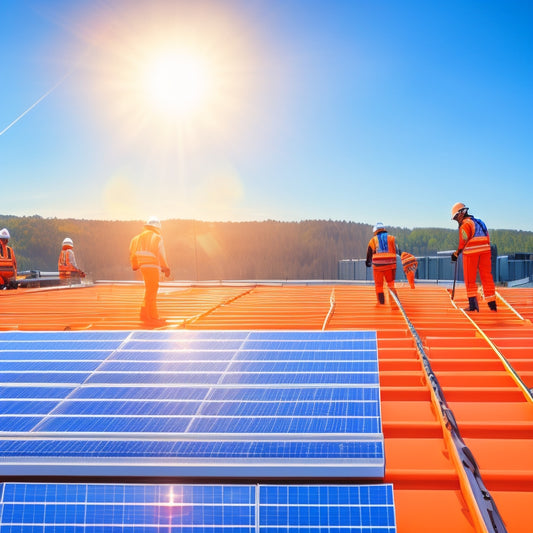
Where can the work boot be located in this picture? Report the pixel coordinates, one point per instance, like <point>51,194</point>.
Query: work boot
<point>381,297</point>
<point>492,305</point>
<point>473,305</point>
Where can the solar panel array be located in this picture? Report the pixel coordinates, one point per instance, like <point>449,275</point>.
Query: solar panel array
<point>275,404</point>
<point>196,508</point>
<point>208,404</point>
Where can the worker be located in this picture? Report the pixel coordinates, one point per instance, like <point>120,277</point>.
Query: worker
<point>8,262</point>
<point>69,272</point>
<point>381,256</point>
<point>409,264</point>
<point>147,254</point>
<point>474,244</point>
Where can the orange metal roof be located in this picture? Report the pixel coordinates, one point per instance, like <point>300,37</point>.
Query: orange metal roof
<point>483,362</point>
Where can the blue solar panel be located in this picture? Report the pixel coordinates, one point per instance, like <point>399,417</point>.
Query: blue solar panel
<point>148,392</point>
<point>195,449</point>
<point>197,508</point>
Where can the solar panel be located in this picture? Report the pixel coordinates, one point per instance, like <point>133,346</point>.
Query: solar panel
<point>273,404</point>
<point>197,508</point>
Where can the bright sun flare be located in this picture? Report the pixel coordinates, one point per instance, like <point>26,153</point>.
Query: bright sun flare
<point>177,84</point>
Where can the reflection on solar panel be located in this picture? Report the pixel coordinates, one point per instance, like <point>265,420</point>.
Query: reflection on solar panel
<point>183,403</point>
<point>197,508</point>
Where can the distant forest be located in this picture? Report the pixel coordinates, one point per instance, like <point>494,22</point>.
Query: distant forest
<point>200,251</point>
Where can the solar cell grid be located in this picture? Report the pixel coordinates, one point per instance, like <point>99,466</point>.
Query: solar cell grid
<point>67,344</point>
<point>179,389</point>
<point>282,449</point>
<point>55,355</point>
<point>307,355</point>
<point>197,508</point>
<point>39,392</point>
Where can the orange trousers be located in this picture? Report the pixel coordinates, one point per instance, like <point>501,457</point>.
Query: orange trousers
<point>382,274</point>
<point>472,263</point>
<point>151,286</point>
<point>410,275</point>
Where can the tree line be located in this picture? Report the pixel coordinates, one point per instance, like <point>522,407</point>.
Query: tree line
<point>198,250</point>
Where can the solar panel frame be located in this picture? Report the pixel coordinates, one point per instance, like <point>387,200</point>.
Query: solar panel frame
<point>197,508</point>
<point>161,390</point>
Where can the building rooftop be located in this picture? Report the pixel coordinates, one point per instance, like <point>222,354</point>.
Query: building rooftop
<point>456,404</point>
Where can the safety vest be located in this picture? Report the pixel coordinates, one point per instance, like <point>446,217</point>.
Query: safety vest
<point>473,236</point>
<point>409,262</point>
<point>65,263</point>
<point>383,248</point>
<point>8,262</point>
<point>146,251</point>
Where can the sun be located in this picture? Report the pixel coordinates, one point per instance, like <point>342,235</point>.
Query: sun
<point>177,83</point>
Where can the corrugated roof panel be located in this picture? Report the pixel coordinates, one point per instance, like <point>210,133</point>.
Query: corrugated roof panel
<point>492,411</point>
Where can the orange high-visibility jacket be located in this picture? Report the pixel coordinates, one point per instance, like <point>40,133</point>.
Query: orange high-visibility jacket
<point>409,262</point>
<point>473,236</point>
<point>381,250</point>
<point>8,261</point>
<point>66,264</point>
<point>148,251</point>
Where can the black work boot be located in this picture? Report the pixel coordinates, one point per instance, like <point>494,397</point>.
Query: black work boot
<point>473,305</point>
<point>492,305</point>
<point>381,297</point>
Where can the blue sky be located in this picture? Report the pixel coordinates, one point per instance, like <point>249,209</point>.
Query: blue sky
<point>357,110</point>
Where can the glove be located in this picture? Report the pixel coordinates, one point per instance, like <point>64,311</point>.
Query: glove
<point>166,271</point>
<point>455,255</point>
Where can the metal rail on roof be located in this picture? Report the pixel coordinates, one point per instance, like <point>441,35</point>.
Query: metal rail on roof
<point>514,374</point>
<point>188,321</point>
<point>331,309</point>
<point>509,306</point>
<point>486,505</point>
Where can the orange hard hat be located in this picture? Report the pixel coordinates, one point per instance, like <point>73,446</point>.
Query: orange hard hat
<point>459,206</point>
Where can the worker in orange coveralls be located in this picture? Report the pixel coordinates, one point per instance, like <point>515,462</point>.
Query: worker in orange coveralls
<point>66,263</point>
<point>474,244</point>
<point>147,254</point>
<point>381,255</point>
<point>8,262</point>
<point>409,264</point>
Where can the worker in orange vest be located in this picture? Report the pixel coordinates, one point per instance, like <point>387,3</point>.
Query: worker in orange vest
<point>147,254</point>
<point>474,244</point>
<point>66,263</point>
<point>381,256</point>
<point>409,264</point>
<point>8,262</point>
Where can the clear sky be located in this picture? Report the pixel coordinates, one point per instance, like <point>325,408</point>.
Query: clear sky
<point>232,110</point>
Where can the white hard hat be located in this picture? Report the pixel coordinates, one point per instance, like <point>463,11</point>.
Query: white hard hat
<point>68,242</point>
<point>379,226</point>
<point>4,234</point>
<point>153,222</point>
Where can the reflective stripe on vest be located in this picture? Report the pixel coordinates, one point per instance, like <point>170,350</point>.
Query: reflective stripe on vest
<point>7,264</point>
<point>384,249</point>
<point>63,263</point>
<point>480,242</point>
<point>146,245</point>
<point>408,260</point>
<point>65,267</point>
<point>409,263</point>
